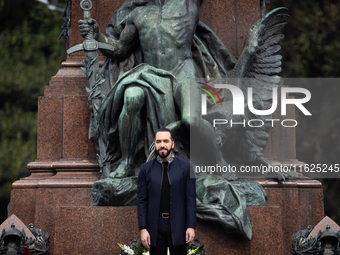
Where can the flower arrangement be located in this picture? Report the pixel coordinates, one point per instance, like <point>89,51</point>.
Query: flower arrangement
<point>191,250</point>
<point>126,249</point>
<point>136,248</point>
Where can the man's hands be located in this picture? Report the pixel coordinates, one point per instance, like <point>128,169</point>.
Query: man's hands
<point>145,238</point>
<point>190,235</point>
<point>84,27</point>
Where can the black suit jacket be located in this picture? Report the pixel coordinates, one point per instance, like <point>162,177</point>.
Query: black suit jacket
<point>182,198</point>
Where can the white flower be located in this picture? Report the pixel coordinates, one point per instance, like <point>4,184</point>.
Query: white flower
<point>128,250</point>
<point>146,253</point>
<point>190,252</point>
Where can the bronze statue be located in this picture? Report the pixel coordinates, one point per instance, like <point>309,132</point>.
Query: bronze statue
<point>325,243</point>
<point>13,241</point>
<point>160,48</point>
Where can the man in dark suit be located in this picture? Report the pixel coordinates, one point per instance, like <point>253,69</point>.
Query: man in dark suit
<point>166,200</point>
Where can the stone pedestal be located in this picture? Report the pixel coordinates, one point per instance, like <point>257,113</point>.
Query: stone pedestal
<point>59,186</point>
<point>75,227</point>
<point>291,207</point>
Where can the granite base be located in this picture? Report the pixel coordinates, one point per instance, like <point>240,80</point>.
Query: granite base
<point>97,230</point>
<point>61,207</point>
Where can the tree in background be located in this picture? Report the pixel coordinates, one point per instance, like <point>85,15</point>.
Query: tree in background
<point>31,53</point>
<point>311,48</point>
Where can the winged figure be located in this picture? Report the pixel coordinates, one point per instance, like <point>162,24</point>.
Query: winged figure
<point>149,80</point>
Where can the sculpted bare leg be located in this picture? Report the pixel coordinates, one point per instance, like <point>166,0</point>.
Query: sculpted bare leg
<point>189,102</point>
<point>129,126</point>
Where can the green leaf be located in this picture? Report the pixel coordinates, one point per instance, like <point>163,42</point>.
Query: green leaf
<point>100,81</point>
<point>83,69</point>
<point>120,246</point>
<point>93,60</point>
<point>89,75</point>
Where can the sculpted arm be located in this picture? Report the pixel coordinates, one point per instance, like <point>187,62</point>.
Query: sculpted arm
<point>122,47</point>
<point>125,44</point>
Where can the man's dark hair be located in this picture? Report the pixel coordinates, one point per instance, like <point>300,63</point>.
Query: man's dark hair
<point>164,129</point>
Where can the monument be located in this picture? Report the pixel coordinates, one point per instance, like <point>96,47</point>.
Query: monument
<point>58,191</point>
<point>322,239</point>
<point>15,238</point>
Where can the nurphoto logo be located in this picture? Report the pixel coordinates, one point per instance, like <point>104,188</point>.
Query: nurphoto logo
<point>239,104</point>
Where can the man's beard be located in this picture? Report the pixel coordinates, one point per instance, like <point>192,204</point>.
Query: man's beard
<point>163,154</point>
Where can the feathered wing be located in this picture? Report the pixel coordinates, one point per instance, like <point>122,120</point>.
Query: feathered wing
<point>259,59</point>
<point>258,67</point>
<point>264,63</point>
